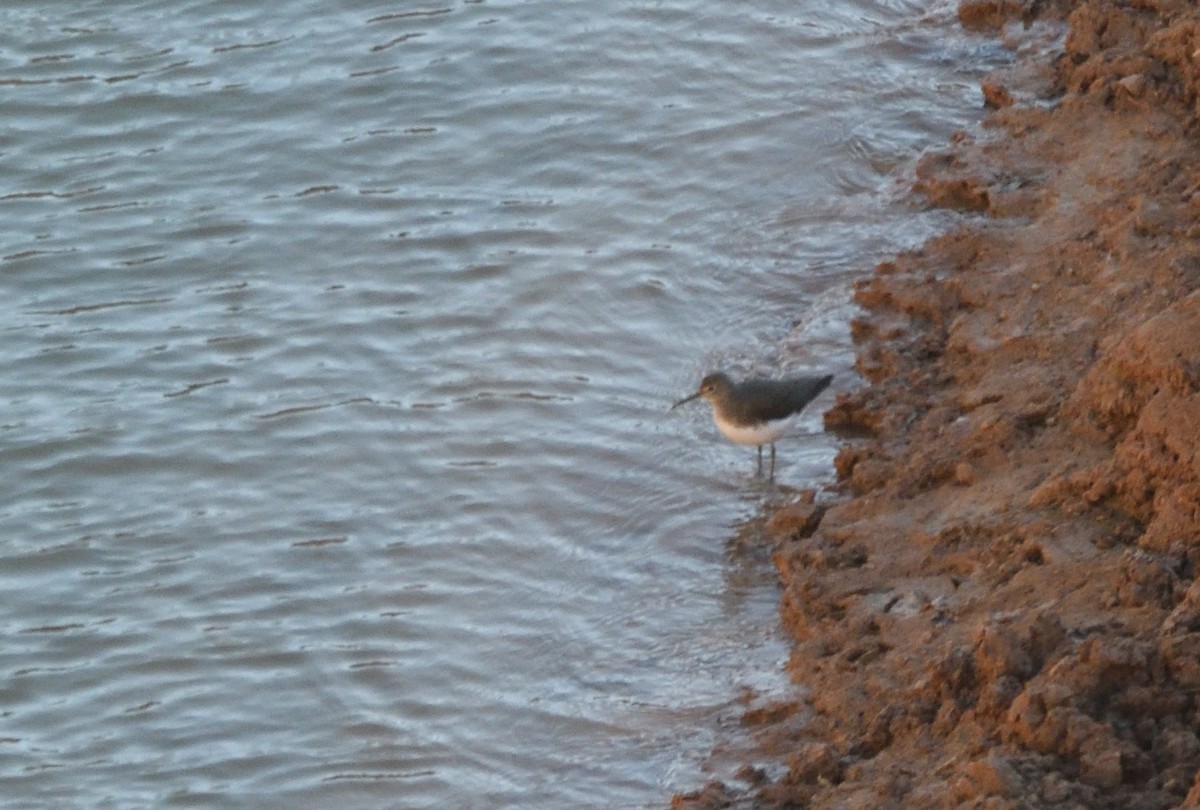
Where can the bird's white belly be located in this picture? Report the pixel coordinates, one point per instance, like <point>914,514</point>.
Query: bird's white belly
<point>766,433</point>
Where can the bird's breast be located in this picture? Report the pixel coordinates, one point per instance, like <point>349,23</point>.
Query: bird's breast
<point>760,433</point>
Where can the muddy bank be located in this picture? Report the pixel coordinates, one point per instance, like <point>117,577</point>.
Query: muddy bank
<point>1000,608</point>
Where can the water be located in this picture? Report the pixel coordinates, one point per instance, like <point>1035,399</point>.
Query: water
<point>336,346</point>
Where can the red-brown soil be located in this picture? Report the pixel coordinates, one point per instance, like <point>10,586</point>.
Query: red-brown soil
<point>1000,608</point>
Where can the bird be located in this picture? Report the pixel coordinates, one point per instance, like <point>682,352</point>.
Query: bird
<point>759,410</point>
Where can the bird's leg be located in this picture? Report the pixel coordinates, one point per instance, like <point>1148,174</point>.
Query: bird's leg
<point>772,460</point>
<point>760,459</point>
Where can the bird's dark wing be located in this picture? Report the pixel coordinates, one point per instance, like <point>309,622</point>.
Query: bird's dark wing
<point>765,400</point>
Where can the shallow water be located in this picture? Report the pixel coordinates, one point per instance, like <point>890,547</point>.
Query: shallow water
<point>337,344</point>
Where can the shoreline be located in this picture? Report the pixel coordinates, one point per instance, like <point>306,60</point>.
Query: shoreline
<point>1000,606</point>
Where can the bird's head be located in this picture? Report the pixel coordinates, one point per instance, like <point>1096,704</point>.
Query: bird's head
<point>712,388</point>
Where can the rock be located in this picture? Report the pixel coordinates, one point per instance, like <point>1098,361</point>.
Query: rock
<point>996,776</point>
<point>814,762</point>
<point>1193,796</point>
<point>751,775</point>
<point>1179,640</point>
<point>1133,86</point>
<point>1178,745</point>
<point>1100,765</point>
<point>984,15</point>
<point>992,775</point>
<point>943,183</point>
<point>997,695</point>
<point>798,519</point>
<point>1015,646</point>
<point>1145,580</point>
<point>995,95</point>
<point>964,473</point>
<point>999,650</point>
<point>1114,664</point>
<point>713,796</point>
<point>1055,788</point>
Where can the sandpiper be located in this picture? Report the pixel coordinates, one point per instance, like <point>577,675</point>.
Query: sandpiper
<point>757,411</point>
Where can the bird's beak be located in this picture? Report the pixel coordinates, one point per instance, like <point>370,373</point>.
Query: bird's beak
<point>682,401</point>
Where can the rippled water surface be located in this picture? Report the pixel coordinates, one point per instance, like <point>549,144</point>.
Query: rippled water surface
<point>336,341</point>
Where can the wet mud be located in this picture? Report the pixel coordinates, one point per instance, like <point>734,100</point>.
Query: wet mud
<point>999,606</point>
